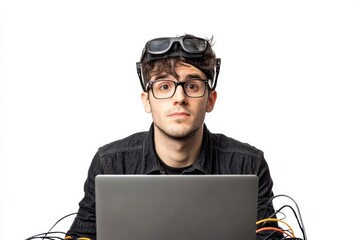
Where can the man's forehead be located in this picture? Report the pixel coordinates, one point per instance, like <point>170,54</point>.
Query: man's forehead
<point>183,71</point>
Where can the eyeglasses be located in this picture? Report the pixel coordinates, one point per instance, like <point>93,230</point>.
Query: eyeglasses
<point>163,89</point>
<point>193,45</point>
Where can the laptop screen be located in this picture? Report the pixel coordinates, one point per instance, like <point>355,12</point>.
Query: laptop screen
<point>176,207</point>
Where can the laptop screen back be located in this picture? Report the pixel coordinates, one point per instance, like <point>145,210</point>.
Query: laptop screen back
<point>176,207</point>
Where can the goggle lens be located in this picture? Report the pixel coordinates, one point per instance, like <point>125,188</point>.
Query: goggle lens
<point>189,44</point>
<point>194,45</point>
<point>159,46</point>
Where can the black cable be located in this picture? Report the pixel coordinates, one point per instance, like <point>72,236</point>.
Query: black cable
<point>296,217</point>
<point>45,235</point>
<point>279,211</point>
<point>59,221</point>
<point>300,222</point>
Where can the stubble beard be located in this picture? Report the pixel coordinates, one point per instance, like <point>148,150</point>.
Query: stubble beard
<point>179,134</point>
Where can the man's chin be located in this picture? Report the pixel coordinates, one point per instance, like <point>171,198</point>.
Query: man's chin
<point>178,132</point>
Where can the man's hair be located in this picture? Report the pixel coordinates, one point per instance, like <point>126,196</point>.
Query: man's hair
<point>205,63</point>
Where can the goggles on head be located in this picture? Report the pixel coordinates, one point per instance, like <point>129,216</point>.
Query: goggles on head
<point>184,46</point>
<point>190,45</point>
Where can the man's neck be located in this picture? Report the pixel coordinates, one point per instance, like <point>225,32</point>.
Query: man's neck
<point>178,152</point>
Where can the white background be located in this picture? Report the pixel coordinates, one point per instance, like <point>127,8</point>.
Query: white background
<point>288,85</point>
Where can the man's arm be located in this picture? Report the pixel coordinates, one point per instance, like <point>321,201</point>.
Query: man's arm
<point>84,225</point>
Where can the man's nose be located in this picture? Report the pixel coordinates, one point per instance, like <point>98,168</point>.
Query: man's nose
<point>179,95</point>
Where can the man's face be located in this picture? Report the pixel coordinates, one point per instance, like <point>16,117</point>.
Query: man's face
<point>179,116</point>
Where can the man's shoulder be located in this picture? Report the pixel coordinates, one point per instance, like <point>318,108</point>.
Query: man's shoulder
<point>130,143</point>
<point>225,143</point>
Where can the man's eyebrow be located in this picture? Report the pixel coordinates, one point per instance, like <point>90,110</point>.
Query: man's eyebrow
<point>162,76</point>
<point>193,76</point>
<point>188,76</point>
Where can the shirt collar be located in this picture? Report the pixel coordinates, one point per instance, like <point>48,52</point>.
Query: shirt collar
<point>151,162</point>
<point>203,161</point>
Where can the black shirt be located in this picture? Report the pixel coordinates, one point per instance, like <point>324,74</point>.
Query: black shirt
<point>136,154</point>
<point>173,170</point>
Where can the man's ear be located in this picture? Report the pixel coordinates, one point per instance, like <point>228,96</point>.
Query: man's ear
<point>146,101</point>
<point>211,101</point>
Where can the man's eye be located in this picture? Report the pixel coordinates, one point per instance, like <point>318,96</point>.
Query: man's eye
<point>192,86</point>
<point>164,86</point>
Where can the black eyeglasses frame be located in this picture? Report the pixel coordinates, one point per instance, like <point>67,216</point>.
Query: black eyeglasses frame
<point>182,84</point>
<point>212,81</point>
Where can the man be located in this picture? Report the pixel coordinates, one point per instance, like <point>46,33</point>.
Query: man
<point>178,76</point>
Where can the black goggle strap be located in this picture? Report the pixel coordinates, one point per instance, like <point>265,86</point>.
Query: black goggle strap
<point>140,75</point>
<point>216,74</point>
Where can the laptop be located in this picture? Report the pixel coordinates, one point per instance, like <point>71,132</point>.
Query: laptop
<point>176,207</point>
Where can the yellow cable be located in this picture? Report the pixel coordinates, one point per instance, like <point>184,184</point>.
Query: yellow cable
<point>82,238</point>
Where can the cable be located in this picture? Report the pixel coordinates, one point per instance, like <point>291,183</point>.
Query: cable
<point>276,220</point>
<point>274,229</point>
<point>298,210</point>
<point>296,217</point>
<point>46,234</point>
<point>59,221</point>
<point>46,237</point>
<point>300,221</point>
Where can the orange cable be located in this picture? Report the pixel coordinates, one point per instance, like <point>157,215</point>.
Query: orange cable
<point>273,228</point>
<point>276,220</point>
